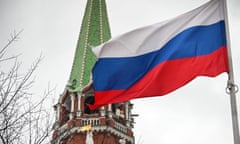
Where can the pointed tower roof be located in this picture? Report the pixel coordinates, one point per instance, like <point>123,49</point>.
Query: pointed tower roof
<point>94,31</point>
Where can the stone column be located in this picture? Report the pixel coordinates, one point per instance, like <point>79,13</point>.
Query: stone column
<point>127,112</point>
<point>102,111</point>
<point>72,106</point>
<point>79,111</point>
<point>109,110</point>
<point>57,108</point>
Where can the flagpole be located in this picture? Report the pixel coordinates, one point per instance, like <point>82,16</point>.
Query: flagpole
<point>231,87</point>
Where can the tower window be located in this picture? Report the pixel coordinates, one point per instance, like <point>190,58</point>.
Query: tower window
<point>89,100</point>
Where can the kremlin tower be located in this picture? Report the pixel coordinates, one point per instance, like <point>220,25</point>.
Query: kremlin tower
<point>75,123</point>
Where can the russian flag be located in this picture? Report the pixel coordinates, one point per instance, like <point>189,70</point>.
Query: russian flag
<point>160,58</point>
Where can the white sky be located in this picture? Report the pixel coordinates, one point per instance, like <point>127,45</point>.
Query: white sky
<point>197,113</point>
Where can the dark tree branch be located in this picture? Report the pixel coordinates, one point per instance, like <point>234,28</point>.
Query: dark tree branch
<point>22,119</point>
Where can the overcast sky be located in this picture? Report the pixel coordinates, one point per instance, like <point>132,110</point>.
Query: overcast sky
<point>197,113</point>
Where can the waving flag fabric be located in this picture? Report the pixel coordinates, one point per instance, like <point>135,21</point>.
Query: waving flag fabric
<point>158,59</point>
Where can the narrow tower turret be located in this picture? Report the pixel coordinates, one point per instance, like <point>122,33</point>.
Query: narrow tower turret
<point>110,124</point>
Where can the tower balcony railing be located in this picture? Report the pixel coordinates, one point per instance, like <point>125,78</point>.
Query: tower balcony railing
<point>95,122</point>
<point>92,121</point>
<point>120,127</point>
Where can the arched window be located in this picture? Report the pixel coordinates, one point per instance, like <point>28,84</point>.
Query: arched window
<point>89,100</point>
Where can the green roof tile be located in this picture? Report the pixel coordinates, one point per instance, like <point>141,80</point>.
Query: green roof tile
<point>94,31</point>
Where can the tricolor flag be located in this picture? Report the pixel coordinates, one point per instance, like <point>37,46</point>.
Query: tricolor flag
<point>160,58</point>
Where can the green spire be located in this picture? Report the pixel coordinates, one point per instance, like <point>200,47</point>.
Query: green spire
<point>94,31</point>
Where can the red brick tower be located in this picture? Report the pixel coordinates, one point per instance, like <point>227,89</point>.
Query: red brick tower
<point>110,124</point>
